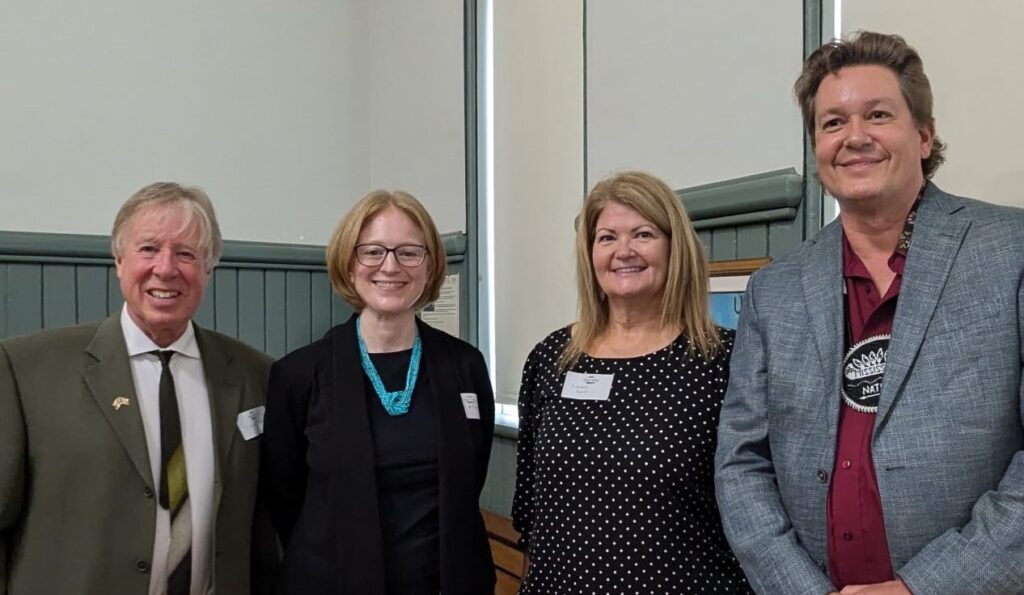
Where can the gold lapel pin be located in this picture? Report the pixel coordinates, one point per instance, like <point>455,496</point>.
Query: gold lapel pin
<point>120,402</point>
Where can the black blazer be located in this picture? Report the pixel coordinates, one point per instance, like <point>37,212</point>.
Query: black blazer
<point>320,474</point>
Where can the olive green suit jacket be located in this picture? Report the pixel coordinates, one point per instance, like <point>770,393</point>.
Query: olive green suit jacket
<point>77,511</point>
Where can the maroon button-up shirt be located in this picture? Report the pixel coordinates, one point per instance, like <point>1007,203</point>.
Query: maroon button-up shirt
<point>858,552</point>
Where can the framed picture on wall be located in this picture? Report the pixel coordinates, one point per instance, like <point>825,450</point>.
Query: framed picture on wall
<point>728,282</point>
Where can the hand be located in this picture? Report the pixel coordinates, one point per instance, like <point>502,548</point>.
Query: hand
<point>895,587</point>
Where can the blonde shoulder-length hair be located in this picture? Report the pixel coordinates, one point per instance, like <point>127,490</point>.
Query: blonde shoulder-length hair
<point>341,250</point>
<point>684,304</point>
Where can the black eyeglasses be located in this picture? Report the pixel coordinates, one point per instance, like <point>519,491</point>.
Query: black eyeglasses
<point>407,255</point>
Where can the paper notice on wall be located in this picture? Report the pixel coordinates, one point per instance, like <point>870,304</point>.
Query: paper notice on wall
<point>444,313</point>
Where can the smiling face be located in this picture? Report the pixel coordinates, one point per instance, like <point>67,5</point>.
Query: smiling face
<point>162,272</point>
<point>867,144</point>
<point>390,289</point>
<point>630,255</point>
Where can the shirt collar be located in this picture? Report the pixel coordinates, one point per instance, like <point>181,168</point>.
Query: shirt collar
<point>139,343</point>
<point>854,267</point>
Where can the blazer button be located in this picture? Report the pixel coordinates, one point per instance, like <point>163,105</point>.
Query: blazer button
<point>148,492</point>
<point>142,566</point>
<point>822,476</point>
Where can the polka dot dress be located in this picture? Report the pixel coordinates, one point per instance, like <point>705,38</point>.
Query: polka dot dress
<point>618,496</point>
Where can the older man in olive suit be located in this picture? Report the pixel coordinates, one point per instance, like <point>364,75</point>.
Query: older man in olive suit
<point>128,448</point>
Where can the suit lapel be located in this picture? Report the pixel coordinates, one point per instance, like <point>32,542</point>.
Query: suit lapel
<point>822,280</point>
<point>933,249</point>
<point>225,394</point>
<point>111,377</point>
<point>354,484</point>
<point>454,445</point>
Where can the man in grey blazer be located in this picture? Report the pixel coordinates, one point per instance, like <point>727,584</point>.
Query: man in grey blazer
<point>871,437</point>
<point>128,450</point>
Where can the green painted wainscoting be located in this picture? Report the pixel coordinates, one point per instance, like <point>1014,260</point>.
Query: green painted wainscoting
<point>750,217</point>
<point>275,297</point>
<point>501,472</point>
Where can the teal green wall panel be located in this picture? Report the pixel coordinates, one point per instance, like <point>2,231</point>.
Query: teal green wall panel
<point>462,268</point>
<point>114,299</point>
<point>783,236</point>
<point>501,477</point>
<point>486,494</point>
<point>276,342</point>
<point>298,311</point>
<point>4,292</point>
<point>320,305</point>
<point>91,286</point>
<point>773,191</point>
<point>251,308</point>
<point>705,239</point>
<point>275,297</point>
<point>723,244</point>
<point>25,298</point>
<point>206,316</point>
<point>59,295</point>
<point>225,300</point>
<point>752,240</point>
<point>507,472</point>
<point>340,311</point>
<point>749,217</point>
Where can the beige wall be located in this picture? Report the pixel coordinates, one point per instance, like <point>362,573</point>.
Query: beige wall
<point>973,55</point>
<point>538,175</point>
<point>285,112</point>
<point>695,92</point>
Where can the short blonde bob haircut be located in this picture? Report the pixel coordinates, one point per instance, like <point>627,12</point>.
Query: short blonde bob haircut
<point>684,304</point>
<point>341,250</point>
<point>194,204</point>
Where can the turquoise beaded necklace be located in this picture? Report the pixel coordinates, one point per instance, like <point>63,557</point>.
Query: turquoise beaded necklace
<point>395,402</point>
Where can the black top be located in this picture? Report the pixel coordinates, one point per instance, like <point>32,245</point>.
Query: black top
<point>320,468</point>
<point>405,448</point>
<point>618,496</point>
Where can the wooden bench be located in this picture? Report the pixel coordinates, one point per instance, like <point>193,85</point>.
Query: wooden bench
<point>508,560</point>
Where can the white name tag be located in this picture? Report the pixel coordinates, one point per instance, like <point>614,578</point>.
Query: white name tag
<point>590,387</point>
<point>250,423</point>
<point>471,405</point>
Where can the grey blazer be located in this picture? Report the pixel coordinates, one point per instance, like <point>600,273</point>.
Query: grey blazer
<point>948,439</point>
<point>76,492</point>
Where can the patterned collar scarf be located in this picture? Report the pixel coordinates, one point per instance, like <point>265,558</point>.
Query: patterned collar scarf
<point>903,244</point>
<point>864,363</point>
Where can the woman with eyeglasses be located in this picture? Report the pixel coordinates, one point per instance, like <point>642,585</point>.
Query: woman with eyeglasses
<point>377,437</point>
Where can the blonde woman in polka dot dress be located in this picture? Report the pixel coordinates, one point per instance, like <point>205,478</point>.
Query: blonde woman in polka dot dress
<point>615,478</point>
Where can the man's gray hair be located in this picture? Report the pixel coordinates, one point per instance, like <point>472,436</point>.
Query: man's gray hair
<point>192,200</point>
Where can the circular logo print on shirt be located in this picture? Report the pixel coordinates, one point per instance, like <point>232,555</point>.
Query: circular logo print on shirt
<point>863,369</point>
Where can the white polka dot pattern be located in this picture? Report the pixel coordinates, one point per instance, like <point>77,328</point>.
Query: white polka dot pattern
<point>617,496</point>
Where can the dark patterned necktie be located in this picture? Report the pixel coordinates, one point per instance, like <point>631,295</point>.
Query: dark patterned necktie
<point>174,483</point>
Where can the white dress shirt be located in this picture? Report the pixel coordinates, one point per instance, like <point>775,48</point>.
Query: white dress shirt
<point>197,440</point>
